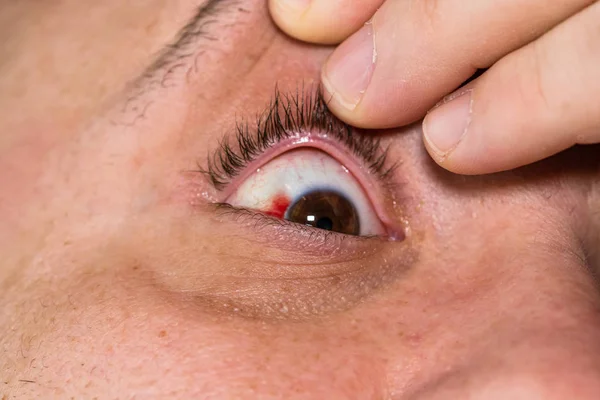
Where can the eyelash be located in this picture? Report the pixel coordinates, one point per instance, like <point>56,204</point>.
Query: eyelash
<point>285,117</point>
<point>311,235</point>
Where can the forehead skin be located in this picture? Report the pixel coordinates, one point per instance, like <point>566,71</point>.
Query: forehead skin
<point>111,281</point>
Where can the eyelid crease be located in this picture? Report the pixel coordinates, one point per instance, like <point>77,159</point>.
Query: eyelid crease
<point>286,117</point>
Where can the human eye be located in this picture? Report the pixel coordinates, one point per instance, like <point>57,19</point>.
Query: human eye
<point>294,215</point>
<point>299,165</point>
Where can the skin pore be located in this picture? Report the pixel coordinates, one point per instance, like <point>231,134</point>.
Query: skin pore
<point>119,279</point>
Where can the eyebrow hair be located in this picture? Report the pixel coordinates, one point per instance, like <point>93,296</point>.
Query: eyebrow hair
<point>179,55</point>
<point>191,34</point>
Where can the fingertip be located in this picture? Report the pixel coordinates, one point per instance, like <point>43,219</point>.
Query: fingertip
<point>321,21</point>
<point>456,143</point>
<point>341,108</point>
<point>288,16</point>
<point>457,165</point>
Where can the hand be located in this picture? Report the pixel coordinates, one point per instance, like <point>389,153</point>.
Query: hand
<point>540,95</point>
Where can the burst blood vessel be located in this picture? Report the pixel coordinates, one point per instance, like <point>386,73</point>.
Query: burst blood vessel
<point>278,207</point>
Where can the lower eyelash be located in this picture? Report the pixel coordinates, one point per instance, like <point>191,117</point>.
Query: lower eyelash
<point>287,115</point>
<point>310,235</point>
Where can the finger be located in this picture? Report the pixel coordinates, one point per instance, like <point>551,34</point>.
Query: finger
<point>535,102</point>
<point>412,53</point>
<point>322,21</point>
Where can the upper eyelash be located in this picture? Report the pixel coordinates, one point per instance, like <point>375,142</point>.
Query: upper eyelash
<point>286,115</point>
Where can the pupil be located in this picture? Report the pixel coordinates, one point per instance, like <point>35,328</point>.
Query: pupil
<point>325,223</point>
<point>325,209</point>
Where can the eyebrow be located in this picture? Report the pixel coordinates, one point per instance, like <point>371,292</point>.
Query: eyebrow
<point>180,55</point>
<point>189,40</point>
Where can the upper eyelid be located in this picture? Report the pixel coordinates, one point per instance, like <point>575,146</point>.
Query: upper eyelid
<point>285,116</point>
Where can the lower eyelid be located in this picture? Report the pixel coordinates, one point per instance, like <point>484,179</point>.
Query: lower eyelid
<point>285,235</point>
<point>238,263</point>
<point>274,274</point>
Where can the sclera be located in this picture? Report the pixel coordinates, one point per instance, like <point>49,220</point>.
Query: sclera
<point>299,171</point>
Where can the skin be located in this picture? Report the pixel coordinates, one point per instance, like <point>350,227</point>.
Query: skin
<point>401,59</point>
<point>118,280</point>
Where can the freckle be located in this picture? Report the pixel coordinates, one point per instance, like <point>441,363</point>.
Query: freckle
<point>162,333</point>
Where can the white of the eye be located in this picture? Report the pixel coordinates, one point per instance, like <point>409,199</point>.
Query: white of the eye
<point>298,172</point>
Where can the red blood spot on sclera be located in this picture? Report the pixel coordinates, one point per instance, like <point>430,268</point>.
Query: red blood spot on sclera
<point>279,206</point>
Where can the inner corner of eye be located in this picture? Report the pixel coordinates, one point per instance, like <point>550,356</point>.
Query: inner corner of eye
<point>309,187</point>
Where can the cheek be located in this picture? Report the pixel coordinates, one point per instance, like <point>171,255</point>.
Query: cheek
<point>111,335</point>
<point>110,330</point>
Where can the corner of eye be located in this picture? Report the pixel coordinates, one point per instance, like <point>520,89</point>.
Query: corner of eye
<point>195,187</point>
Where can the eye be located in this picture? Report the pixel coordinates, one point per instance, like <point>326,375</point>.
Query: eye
<point>309,187</point>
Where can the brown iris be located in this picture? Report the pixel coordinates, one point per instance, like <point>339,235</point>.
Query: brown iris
<point>325,210</point>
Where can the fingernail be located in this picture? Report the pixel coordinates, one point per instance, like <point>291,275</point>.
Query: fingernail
<point>446,125</point>
<point>349,69</point>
